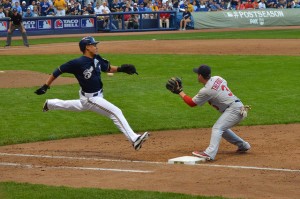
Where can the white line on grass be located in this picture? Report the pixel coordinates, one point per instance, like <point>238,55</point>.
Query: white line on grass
<point>72,168</point>
<point>149,162</point>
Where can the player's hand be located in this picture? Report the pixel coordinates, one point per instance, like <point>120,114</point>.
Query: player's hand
<point>42,90</point>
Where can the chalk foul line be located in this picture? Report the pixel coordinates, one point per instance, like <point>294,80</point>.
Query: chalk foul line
<point>30,166</point>
<point>145,162</point>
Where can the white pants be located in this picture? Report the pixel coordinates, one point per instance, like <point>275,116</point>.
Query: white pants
<point>161,23</point>
<point>61,12</point>
<point>221,128</point>
<point>96,104</point>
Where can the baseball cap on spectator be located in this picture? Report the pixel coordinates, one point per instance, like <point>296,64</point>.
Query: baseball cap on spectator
<point>23,2</point>
<point>14,10</point>
<point>135,4</point>
<point>28,8</point>
<point>203,70</point>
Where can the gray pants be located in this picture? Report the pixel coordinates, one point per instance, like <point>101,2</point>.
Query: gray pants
<point>23,32</point>
<point>221,128</point>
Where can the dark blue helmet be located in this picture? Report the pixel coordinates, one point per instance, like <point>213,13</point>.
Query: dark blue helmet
<point>86,41</point>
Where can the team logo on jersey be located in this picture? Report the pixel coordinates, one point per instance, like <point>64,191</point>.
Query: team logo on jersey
<point>88,73</point>
<point>58,23</point>
<point>96,63</point>
<point>3,25</point>
<point>44,24</point>
<point>88,23</point>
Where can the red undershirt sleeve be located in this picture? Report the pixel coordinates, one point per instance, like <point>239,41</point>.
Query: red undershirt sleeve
<point>188,100</point>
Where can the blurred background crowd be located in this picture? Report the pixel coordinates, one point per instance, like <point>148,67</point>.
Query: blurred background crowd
<point>32,8</point>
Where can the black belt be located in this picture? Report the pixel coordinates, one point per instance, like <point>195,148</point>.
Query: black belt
<point>237,101</point>
<point>94,94</point>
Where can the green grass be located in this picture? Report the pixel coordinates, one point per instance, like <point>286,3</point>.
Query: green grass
<point>250,34</point>
<point>11,190</point>
<point>261,81</point>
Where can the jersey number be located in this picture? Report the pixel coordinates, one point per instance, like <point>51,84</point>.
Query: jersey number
<point>227,89</point>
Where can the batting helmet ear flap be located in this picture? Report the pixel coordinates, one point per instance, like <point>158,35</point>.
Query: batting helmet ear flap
<point>86,41</point>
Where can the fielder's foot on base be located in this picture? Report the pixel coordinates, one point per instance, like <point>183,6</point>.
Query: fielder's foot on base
<point>202,155</point>
<point>140,140</point>
<point>45,107</point>
<point>243,149</point>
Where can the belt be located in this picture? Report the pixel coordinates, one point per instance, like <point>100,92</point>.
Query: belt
<point>231,104</point>
<point>92,94</point>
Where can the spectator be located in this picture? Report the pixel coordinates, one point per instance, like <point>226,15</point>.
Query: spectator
<point>77,8</point>
<point>97,9</point>
<point>249,5</point>
<point>164,17</point>
<point>176,5</point>
<point>154,7</point>
<point>135,7</point>
<point>6,7</point>
<point>2,15</point>
<point>281,4</point>
<point>44,6</point>
<point>271,3</point>
<point>223,5</point>
<point>18,7</point>
<point>28,13</point>
<point>15,22</point>
<point>104,7</point>
<point>203,6</point>
<point>214,6</point>
<point>50,11</point>
<point>24,6</point>
<point>90,9</point>
<point>133,22</point>
<point>114,6</point>
<point>234,4</point>
<point>190,7</point>
<point>195,7</point>
<point>61,7</point>
<point>186,18</point>
<point>33,3</point>
<point>240,6</point>
<point>262,5</point>
<point>84,11</point>
<point>35,11</point>
<point>255,4</point>
<point>142,8</point>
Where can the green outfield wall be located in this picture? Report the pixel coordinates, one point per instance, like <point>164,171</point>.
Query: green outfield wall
<point>247,18</point>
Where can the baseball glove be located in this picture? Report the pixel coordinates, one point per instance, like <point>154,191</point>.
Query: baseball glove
<point>42,90</point>
<point>174,85</point>
<point>127,68</point>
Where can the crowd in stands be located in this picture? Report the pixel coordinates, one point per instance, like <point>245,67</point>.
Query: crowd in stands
<point>32,8</point>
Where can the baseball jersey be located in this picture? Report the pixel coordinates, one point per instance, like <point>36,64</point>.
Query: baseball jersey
<point>16,19</point>
<point>216,93</point>
<point>87,71</point>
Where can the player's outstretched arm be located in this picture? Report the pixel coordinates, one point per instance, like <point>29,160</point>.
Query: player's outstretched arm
<point>43,89</point>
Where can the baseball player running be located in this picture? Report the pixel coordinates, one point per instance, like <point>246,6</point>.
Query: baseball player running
<point>87,70</point>
<point>219,96</point>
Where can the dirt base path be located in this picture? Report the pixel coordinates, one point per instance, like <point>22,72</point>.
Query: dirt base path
<point>270,170</point>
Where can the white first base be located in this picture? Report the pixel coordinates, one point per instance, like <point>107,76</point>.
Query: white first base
<point>190,160</point>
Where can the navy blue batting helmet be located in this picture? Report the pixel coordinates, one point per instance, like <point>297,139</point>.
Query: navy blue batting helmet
<point>86,41</point>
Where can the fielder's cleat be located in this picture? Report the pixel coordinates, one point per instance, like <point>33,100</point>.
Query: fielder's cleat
<point>202,155</point>
<point>6,46</point>
<point>140,140</point>
<point>27,45</point>
<point>45,107</point>
<point>246,146</point>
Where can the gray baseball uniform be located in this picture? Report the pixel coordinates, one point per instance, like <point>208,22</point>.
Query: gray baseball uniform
<point>218,95</point>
